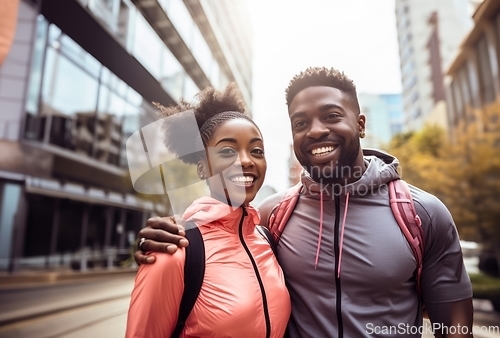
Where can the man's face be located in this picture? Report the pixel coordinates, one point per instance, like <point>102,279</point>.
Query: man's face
<point>325,128</point>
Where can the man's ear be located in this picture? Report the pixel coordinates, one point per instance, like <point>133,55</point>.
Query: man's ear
<point>361,122</point>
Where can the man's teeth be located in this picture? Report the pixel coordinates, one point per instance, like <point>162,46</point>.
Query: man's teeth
<point>242,179</point>
<point>322,150</point>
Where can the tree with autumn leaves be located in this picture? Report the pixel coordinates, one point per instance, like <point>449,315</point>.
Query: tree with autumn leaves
<point>462,170</point>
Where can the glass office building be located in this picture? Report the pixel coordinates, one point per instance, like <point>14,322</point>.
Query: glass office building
<point>79,80</point>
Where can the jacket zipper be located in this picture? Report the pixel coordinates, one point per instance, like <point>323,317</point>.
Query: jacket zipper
<point>337,278</point>
<point>259,279</point>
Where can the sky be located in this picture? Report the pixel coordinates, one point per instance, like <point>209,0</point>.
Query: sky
<point>358,37</point>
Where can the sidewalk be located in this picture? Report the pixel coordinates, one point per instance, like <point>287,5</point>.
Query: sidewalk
<point>30,294</point>
<point>35,278</point>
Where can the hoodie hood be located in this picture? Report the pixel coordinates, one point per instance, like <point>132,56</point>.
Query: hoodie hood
<point>381,168</point>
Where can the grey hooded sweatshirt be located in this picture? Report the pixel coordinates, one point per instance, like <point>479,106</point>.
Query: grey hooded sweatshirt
<point>349,268</point>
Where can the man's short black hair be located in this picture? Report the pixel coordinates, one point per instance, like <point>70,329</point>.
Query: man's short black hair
<point>322,76</point>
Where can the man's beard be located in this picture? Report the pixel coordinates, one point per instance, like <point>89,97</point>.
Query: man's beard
<point>341,170</point>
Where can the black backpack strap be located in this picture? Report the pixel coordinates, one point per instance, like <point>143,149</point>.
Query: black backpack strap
<point>267,235</point>
<point>194,271</point>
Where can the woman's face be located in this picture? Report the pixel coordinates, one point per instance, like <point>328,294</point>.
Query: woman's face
<point>235,164</point>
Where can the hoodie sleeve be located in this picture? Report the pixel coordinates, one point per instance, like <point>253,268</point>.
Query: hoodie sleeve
<point>156,297</point>
<point>444,278</point>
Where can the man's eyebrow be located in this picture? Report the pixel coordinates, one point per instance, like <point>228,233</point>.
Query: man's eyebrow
<point>297,115</point>
<point>322,108</point>
<point>330,106</point>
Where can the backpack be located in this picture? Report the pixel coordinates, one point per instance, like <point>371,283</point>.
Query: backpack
<point>194,271</point>
<point>402,207</point>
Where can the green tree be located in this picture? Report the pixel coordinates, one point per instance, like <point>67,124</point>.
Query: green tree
<point>476,149</point>
<point>463,173</point>
<point>423,159</point>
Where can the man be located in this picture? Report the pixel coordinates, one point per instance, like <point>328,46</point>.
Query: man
<point>349,269</point>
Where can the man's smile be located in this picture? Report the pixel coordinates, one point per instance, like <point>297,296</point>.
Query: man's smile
<point>322,151</point>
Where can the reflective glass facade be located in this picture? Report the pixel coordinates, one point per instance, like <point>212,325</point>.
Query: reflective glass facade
<point>74,91</point>
<point>83,107</point>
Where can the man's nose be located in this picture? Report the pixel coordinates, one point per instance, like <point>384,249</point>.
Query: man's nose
<point>318,130</point>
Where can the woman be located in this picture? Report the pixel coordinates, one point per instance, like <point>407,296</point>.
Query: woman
<point>243,292</point>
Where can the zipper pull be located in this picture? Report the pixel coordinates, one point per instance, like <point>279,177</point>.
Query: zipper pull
<point>245,213</point>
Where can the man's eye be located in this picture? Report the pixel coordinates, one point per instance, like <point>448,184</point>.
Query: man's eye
<point>332,115</point>
<point>299,124</point>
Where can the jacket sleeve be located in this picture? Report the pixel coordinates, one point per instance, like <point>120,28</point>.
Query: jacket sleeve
<point>156,297</point>
<point>8,20</point>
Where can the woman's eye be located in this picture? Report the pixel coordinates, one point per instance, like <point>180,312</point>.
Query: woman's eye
<point>226,151</point>
<point>258,151</point>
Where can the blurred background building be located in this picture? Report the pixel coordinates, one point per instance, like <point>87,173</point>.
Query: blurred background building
<point>429,33</point>
<point>79,80</point>
<point>384,113</point>
<point>472,79</point>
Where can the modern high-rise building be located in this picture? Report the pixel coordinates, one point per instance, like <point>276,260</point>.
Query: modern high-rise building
<point>429,33</point>
<point>79,80</point>
<point>384,118</point>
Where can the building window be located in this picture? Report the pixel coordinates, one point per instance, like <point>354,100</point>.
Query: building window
<point>450,104</point>
<point>87,108</point>
<point>457,101</point>
<point>147,46</point>
<point>202,52</point>
<point>485,72</point>
<point>416,113</point>
<point>412,82</point>
<point>190,88</point>
<point>180,17</point>
<point>465,87</point>
<point>172,74</point>
<point>473,80</point>
<point>68,91</point>
<point>414,97</point>
<point>106,11</point>
<point>35,124</point>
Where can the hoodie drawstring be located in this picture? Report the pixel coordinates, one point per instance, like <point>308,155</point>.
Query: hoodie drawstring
<point>320,228</point>
<point>342,233</point>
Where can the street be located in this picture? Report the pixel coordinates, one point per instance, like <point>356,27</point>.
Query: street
<point>98,308</point>
<point>91,308</point>
<point>105,319</point>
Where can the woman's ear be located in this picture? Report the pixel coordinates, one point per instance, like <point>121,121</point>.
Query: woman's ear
<point>200,170</point>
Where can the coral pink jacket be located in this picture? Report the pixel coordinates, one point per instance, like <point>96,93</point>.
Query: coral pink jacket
<point>243,292</point>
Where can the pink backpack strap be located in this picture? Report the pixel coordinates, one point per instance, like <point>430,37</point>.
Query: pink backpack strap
<point>406,216</point>
<point>282,212</point>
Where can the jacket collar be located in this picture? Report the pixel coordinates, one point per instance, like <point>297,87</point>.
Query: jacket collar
<point>209,212</point>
